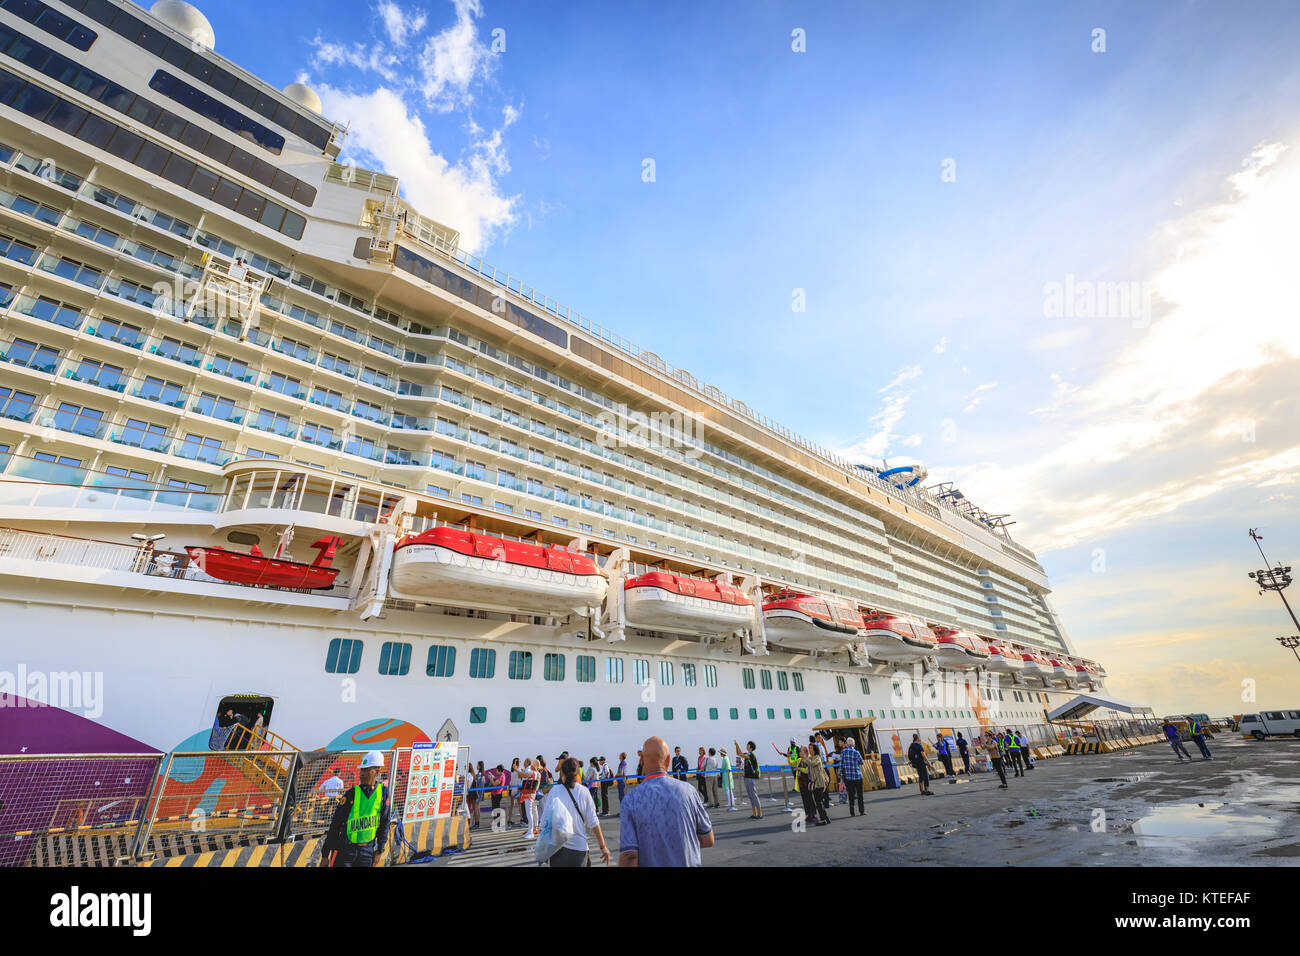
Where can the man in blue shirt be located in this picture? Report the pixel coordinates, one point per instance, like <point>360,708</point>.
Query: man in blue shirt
<point>851,771</point>
<point>663,821</point>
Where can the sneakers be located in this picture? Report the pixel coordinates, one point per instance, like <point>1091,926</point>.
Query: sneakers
<point>1002,786</point>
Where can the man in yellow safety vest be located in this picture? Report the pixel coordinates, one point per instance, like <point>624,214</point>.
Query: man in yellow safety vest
<point>358,832</point>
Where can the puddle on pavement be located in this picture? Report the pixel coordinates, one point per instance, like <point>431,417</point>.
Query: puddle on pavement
<point>1130,778</point>
<point>1178,824</point>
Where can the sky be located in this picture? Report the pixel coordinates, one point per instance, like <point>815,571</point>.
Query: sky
<point>1047,250</point>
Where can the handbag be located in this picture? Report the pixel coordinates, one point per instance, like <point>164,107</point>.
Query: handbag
<point>581,824</point>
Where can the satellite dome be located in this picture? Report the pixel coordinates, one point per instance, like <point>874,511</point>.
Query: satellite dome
<point>185,18</point>
<point>304,96</point>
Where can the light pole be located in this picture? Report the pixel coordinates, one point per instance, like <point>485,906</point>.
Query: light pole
<point>1291,642</point>
<point>1276,579</point>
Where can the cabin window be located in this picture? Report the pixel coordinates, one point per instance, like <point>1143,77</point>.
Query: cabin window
<point>586,669</point>
<point>688,675</point>
<point>766,677</point>
<point>616,713</point>
<point>344,656</point>
<point>584,714</point>
<point>690,713</point>
<point>713,713</point>
<point>748,676</point>
<point>787,713</point>
<point>798,682</point>
<point>668,713</point>
<point>478,715</point>
<point>395,658</point>
<point>782,681</point>
<point>803,713</point>
<point>614,670</point>
<point>442,661</point>
<point>833,714</point>
<point>839,682</point>
<point>753,713</point>
<point>553,667</point>
<point>640,671</point>
<point>643,713</point>
<point>710,675</point>
<point>735,713</point>
<point>866,687</point>
<point>818,714</point>
<point>521,665</point>
<point>516,715</point>
<point>482,662</point>
<point>771,714</point>
<point>666,673</point>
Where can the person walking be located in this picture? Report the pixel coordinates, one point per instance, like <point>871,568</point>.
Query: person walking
<point>1011,753</point>
<point>916,757</point>
<point>994,749</point>
<point>1176,741</point>
<point>1198,737</point>
<point>575,798</point>
<point>803,785</point>
<point>751,782</point>
<point>1022,741</point>
<point>820,784</point>
<point>474,786</point>
<point>711,768</point>
<point>622,776</point>
<point>591,777</point>
<point>700,779</point>
<point>358,831</point>
<point>941,745</point>
<point>527,798</point>
<point>606,781</point>
<point>512,792</point>
<point>963,748</point>
<point>725,783</point>
<point>496,778</point>
<point>680,765</point>
<point>663,822</point>
<point>851,774</point>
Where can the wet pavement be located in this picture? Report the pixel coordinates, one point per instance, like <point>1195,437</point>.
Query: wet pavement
<point>1138,807</point>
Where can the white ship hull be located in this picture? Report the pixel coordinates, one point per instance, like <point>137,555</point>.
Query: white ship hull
<point>655,608</point>
<point>429,572</point>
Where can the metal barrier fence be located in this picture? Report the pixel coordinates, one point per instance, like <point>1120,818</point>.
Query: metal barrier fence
<point>72,809</point>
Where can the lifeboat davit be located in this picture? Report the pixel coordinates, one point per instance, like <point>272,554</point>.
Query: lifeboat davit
<point>255,568</point>
<point>1037,667</point>
<point>662,601</point>
<point>1061,674</point>
<point>891,638</point>
<point>1002,660</point>
<point>810,622</point>
<point>451,563</point>
<point>960,650</point>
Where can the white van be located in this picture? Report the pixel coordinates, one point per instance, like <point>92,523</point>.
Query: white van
<point>1271,723</point>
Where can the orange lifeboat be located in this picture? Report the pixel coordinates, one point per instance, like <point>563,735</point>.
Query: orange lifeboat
<point>451,563</point>
<point>672,602</point>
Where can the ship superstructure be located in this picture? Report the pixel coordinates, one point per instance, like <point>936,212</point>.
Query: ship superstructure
<point>220,344</point>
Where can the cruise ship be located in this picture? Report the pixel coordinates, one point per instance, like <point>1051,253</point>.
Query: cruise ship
<point>273,445</point>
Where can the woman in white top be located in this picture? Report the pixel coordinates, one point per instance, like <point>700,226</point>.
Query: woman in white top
<point>528,797</point>
<point>576,799</point>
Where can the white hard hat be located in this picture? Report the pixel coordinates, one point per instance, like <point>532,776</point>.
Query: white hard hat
<point>373,759</point>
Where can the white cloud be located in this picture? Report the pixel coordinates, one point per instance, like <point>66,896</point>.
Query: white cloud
<point>398,23</point>
<point>875,445</point>
<point>386,132</point>
<point>453,59</point>
<point>943,344</point>
<point>977,396</point>
<point>1161,424</point>
<point>1061,339</point>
